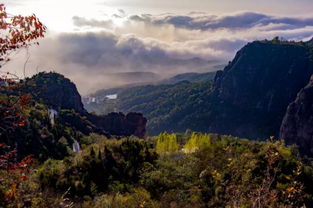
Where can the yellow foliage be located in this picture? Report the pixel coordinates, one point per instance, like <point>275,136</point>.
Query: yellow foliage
<point>197,141</point>
<point>166,143</point>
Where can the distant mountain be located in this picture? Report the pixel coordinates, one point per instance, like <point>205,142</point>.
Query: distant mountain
<point>134,77</point>
<point>191,77</point>
<point>152,73</point>
<point>247,99</point>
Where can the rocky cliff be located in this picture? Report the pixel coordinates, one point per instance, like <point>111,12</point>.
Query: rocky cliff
<point>250,96</point>
<point>121,124</point>
<point>297,125</point>
<point>58,92</point>
<point>54,90</point>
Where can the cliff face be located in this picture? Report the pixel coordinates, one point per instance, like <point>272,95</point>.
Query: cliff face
<point>54,90</point>
<point>60,93</point>
<point>121,125</point>
<point>251,95</point>
<point>297,125</point>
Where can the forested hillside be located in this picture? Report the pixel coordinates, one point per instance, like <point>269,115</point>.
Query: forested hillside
<point>167,107</point>
<point>248,98</point>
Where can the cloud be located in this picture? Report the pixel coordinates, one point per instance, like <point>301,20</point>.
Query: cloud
<point>198,21</point>
<point>196,26</point>
<point>148,47</point>
<point>125,53</point>
<point>102,60</point>
<point>82,22</point>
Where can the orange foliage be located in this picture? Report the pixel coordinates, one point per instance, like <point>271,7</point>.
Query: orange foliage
<point>17,32</point>
<point>19,171</point>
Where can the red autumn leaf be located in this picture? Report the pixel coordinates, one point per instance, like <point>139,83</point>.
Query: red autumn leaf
<point>21,123</point>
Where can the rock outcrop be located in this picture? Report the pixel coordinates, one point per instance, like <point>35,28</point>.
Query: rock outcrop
<point>297,126</point>
<point>54,90</point>
<point>251,95</point>
<point>120,124</point>
<point>136,123</point>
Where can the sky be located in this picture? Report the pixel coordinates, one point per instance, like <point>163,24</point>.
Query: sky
<point>99,43</point>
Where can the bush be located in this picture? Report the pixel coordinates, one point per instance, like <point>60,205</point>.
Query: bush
<point>111,166</point>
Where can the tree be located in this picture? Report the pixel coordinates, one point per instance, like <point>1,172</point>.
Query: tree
<point>167,143</point>
<point>17,31</point>
<point>197,141</point>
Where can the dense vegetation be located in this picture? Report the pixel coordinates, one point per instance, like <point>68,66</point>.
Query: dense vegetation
<point>38,137</point>
<point>170,107</point>
<point>170,170</point>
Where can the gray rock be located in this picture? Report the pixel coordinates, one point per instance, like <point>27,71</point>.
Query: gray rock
<point>297,125</point>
